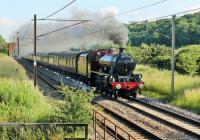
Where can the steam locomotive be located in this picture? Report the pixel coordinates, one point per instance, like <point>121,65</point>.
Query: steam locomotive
<point>109,70</point>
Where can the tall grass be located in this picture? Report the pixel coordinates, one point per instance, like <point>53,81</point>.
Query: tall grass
<point>158,85</point>
<point>189,100</point>
<point>21,102</point>
<point>160,81</point>
<point>10,68</point>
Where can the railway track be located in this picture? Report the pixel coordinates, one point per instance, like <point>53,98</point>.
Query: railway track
<point>136,130</point>
<point>54,82</point>
<point>45,77</point>
<point>180,122</point>
<point>161,125</point>
<point>183,125</point>
<point>105,127</point>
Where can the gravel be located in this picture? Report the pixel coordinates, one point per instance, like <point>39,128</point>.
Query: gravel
<point>172,108</point>
<point>159,129</point>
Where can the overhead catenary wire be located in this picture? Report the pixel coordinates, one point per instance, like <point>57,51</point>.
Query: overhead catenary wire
<point>60,29</point>
<point>26,46</point>
<point>25,31</point>
<point>178,13</point>
<point>26,43</point>
<point>120,26</point>
<point>59,10</point>
<point>132,10</point>
<point>129,11</point>
<point>65,19</point>
<point>52,32</point>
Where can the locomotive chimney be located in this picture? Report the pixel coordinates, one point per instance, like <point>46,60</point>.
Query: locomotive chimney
<point>121,50</point>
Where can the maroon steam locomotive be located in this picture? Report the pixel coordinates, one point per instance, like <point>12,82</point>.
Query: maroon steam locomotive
<point>110,71</point>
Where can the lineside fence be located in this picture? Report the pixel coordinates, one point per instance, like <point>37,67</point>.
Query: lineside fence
<point>107,129</point>
<point>66,131</point>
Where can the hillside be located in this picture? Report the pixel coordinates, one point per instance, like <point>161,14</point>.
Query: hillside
<point>187,31</point>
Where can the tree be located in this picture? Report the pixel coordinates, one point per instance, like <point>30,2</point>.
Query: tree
<point>2,41</point>
<point>2,45</point>
<point>187,60</point>
<point>187,31</point>
<point>77,108</point>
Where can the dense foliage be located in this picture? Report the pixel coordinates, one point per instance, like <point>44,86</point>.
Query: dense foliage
<point>77,107</point>
<point>187,59</point>
<point>159,32</point>
<point>158,55</point>
<point>2,41</point>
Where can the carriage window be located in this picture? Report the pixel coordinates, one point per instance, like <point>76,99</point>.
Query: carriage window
<point>67,61</point>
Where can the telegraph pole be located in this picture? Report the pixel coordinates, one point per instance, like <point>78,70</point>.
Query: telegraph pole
<point>147,26</point>
<point>173,53</point>
<point>35,63</point>
<point>18,46</point>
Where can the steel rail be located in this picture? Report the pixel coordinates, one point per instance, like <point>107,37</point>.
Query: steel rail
<point>132,124</point>
<point>179,116</point>
<point>40,75</point>
<point>167,122</point>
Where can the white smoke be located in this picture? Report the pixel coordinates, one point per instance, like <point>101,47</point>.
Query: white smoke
<point>80,36</point>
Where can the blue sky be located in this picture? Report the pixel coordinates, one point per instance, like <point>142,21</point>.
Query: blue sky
<point>14,13</point>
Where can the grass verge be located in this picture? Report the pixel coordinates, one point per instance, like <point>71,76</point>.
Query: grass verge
<point>21,102</point>
<point>158,85</point>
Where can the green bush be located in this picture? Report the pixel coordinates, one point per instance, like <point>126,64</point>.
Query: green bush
<point>77,107</point>
<point>187,60</point>
<point>3,50</point>
<point>158,55</point>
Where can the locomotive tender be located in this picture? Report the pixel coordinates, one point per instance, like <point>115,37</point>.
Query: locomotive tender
<point>111,72</point>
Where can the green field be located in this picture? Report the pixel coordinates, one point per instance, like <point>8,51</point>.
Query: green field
<point>158,85</point>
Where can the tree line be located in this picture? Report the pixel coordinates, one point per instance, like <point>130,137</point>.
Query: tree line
<point>159,32</point>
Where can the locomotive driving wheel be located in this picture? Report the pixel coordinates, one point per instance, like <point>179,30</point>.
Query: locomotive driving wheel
<point>109,92</point>
<point>114,94</point>
<point>133,93</point>
<point>98,84</point>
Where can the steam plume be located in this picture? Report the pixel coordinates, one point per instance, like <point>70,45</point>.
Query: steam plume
<point>80,36</point>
